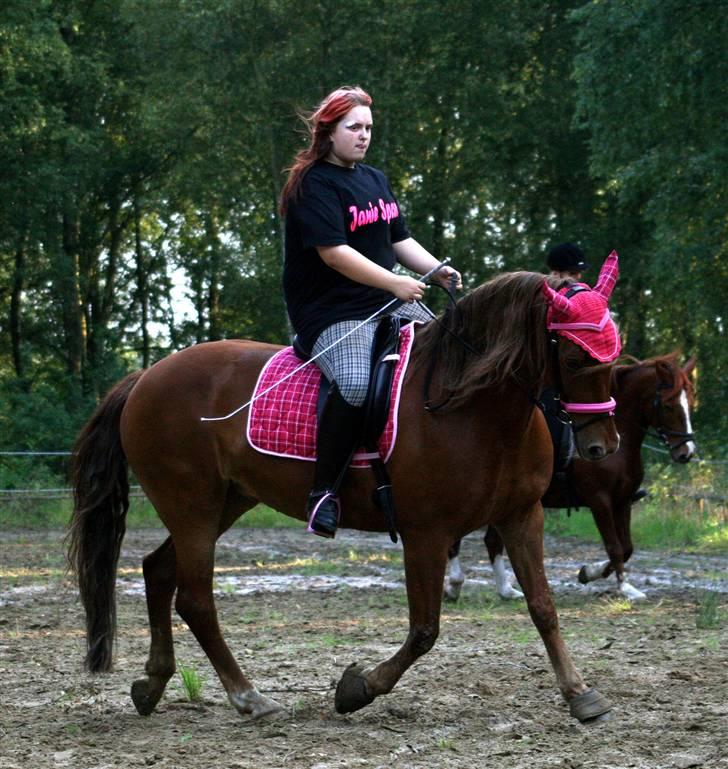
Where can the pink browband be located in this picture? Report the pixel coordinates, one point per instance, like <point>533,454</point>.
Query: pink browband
<point>590,408</point>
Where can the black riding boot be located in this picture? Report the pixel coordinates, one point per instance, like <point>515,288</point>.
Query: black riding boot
<point>339,431</point>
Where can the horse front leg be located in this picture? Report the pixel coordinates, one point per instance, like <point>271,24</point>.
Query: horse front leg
<point>622,521</point>
<point>523,538</point>
<point>195,549</point>
<point>424,573</point>
<point>603,513</point>
<point>612,518</point>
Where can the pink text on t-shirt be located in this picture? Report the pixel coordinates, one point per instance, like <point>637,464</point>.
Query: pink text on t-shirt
<point>362,217</point>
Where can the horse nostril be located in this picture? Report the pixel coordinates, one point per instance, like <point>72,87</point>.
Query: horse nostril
<point>596,451</point>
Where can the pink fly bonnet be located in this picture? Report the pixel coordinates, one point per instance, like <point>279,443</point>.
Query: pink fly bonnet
<point>584,316</point>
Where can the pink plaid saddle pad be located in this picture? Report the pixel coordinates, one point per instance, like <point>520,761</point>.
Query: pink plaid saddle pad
<point>282,421</point>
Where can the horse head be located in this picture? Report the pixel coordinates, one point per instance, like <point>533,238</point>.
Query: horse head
<point>670,410</point>
<point>587,344</point>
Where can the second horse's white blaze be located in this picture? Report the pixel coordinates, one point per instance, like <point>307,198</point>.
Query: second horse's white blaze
<point>688,426</point>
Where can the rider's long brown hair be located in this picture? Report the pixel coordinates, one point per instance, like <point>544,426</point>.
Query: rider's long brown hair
<point>320,124</point>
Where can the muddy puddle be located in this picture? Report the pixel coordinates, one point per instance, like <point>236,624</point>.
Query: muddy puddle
<point>296,611</point>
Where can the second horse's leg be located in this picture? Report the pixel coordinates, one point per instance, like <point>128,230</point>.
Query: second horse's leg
<point>424,573</point>
<point>455,576</point>
<point>494,546</point>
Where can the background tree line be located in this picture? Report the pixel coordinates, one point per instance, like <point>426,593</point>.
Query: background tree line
<point>143,143</point>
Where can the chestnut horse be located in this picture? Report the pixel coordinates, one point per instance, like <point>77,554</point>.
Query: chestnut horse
<point>653,394</point>
<point>483,460</point>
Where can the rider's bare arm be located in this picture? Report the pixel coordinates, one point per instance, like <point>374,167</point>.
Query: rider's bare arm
<point>348,261</point>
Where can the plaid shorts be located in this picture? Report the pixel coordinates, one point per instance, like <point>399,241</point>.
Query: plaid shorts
<point>348,363</point>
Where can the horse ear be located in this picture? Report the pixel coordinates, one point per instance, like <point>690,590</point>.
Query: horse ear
<point>608,276</point>
<point>559,301</point>
<point>689,366</point>
<point>664,373</point>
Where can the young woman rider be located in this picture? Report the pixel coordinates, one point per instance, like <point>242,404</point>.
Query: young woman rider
<point>344,235</point>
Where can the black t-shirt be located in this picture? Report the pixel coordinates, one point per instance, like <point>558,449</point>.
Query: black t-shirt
<point>337,206</point>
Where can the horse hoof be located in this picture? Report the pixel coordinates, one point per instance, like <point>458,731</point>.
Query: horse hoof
<point>254,704</point>
<point>144,696</point>
<point>451,593</point>
<point>511,594</point>
<point>589,706</point>
<point>352,691</point>
<point>583,576</point>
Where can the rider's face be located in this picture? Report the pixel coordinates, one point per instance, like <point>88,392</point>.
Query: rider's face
<point>350,139</point>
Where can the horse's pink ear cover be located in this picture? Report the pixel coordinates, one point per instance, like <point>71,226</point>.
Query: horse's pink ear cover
<point>584,318</point>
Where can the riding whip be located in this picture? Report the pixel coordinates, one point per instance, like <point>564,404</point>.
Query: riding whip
<point>394,303</point>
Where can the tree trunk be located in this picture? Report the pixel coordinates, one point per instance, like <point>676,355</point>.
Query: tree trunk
<point>16,292</point>
<point>142,276</point>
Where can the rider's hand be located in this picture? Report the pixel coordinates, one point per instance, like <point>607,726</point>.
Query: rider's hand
<point>442,277</point>
<point>407,289</point>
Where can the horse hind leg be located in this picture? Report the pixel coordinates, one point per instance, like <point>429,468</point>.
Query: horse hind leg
<point>523,538</point>
<point>160,583</point>
<point>494,546</point>
<point>455,576</point>
<point>195,549</point>
<point>424,573</point>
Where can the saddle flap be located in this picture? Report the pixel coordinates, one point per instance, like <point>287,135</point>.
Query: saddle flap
<point>385,356</point>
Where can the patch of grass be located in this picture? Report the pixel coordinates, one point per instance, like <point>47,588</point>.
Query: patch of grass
<point>387,558</point>
<point>446,743</point>
<point>192,683</point>
<point>617,605</point>
<point>707,611</point>
<point>711,643</point>
<point>579,524</point>
<point>657,524</point>
<point>263,517</point>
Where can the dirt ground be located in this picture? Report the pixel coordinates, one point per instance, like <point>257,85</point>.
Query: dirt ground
<point>297,610</point>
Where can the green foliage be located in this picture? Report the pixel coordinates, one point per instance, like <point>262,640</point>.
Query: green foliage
<point>651,78</point>
<point>142,148</point>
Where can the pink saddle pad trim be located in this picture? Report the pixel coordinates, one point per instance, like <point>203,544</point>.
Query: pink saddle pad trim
<point>282,422</point>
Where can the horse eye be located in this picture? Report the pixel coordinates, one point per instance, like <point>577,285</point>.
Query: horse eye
<point>573,364</point>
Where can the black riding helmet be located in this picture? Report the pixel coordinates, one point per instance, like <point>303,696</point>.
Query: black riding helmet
<point>566,257</point>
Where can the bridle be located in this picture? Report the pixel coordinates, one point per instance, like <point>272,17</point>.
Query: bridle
<point>601,410</point>
<point>662,433</point>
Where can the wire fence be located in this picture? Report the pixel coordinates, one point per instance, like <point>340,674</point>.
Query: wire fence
<point>137,493</point>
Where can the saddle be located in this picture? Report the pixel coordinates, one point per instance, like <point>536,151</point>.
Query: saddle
<point>376,408</point>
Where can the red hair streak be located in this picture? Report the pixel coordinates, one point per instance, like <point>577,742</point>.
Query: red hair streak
<point>320,124</point>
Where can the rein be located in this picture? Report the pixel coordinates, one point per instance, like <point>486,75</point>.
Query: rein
<point>452,307</point>
<point>662,434</point>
